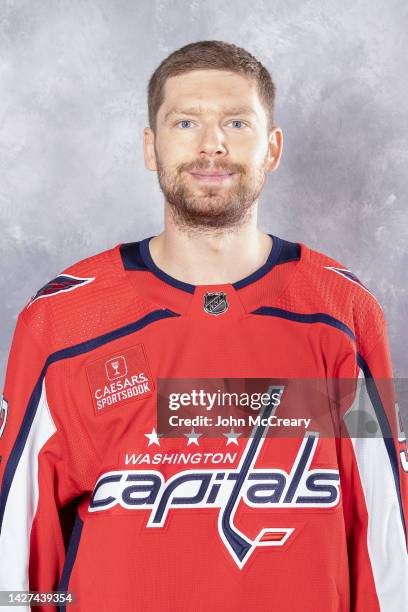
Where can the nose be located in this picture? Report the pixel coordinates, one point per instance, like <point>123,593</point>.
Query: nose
<point>213,142</point>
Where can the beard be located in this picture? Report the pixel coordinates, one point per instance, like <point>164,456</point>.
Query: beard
<point>205,206</point>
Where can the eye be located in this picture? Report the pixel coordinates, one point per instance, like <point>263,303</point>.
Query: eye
<point>239,122</point>
<point>183,122</point>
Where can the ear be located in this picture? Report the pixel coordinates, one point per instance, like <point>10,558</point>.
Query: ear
<point>148,146</point>
<point>275,146</point>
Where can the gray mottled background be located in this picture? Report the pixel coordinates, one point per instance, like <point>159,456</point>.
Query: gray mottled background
<point>73,78</point>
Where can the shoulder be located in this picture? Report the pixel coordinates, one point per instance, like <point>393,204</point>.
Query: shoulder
<point>88,298</point>
<point>69,284</point>
<point>332,287</point>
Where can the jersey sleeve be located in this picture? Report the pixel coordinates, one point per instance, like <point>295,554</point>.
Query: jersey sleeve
<point>374,477</point>
<point>32,473</point>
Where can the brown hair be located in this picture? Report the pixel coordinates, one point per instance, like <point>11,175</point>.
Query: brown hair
<point>205,55</point>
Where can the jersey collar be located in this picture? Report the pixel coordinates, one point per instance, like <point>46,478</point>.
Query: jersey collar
<point>136,256</point>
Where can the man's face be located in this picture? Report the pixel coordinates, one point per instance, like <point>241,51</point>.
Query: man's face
<point>212,148</point>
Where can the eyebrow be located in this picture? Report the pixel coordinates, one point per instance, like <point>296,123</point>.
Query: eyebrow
<point>194,110</point>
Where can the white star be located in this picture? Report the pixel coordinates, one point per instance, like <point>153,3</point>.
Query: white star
<point>153,437</point>
<point>192,437</point>
<point>232,437</point>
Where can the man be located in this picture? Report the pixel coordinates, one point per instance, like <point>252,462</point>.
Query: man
<point>203,520</point>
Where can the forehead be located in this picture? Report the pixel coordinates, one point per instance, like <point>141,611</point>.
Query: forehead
<point>210,90</point>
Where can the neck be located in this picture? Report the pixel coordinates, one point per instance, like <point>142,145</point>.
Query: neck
<point>210,256</point>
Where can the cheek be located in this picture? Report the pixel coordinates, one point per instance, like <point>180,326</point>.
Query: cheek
<point>172,154</point>
<point>259,158</point>
<point>252,151</point>
<point>169,162</point>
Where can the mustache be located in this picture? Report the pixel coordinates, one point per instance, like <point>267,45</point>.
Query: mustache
<point>203,164</point>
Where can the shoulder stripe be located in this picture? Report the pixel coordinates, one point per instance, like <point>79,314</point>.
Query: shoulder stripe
<point>89,345</point>
<point>316,317</point>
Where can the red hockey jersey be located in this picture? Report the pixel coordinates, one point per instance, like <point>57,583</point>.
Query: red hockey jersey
<point>195,522</point>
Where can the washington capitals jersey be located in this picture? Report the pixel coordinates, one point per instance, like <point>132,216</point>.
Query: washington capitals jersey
<point>186,520</point>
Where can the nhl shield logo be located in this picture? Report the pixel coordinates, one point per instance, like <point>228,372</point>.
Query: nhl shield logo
<point>215,302</point>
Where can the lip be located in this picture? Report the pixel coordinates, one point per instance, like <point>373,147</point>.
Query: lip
<point>211,176</point>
